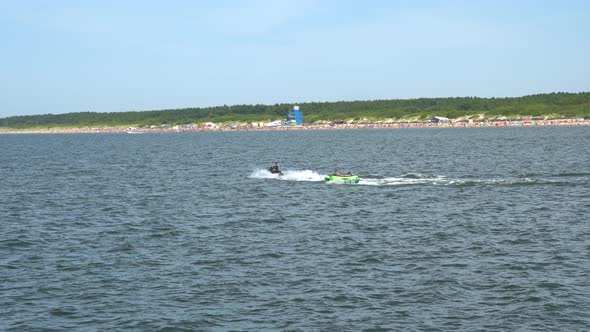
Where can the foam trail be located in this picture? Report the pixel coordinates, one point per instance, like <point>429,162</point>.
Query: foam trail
<point>418,179</point>
<point>288,175</point>
<point>405,180</point>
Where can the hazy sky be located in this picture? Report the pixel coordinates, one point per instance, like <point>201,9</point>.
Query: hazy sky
<point>76,56</point>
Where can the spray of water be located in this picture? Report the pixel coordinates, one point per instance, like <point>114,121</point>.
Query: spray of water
<point>288,175</point>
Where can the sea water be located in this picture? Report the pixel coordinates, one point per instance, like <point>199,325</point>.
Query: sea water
<point>448,230</point>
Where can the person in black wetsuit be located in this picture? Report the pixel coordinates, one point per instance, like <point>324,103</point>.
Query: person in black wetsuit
<point>275,169</point>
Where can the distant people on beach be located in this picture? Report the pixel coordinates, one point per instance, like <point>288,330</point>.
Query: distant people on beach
<point>523,122</point>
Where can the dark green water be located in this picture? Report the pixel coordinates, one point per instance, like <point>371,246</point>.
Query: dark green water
<point>448,230</point>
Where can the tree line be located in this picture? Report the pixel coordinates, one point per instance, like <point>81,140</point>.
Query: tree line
<point>551,104</point>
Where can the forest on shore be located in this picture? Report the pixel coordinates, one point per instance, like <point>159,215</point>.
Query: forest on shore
<point>551,105</point>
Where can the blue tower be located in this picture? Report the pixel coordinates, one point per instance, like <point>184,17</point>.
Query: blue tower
<point>295,117</point>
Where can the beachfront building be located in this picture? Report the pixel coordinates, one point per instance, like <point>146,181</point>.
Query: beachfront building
<point>295,117</point>
<point>276,123</point>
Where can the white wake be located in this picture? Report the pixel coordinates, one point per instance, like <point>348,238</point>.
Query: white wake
<point>401,180</point>
<point>288,175</point>
<point>405,180</point>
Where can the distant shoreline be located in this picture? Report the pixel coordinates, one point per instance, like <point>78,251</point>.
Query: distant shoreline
<point>327,126</point>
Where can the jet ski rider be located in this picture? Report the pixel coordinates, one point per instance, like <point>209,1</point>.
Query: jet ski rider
<point>275,169</point>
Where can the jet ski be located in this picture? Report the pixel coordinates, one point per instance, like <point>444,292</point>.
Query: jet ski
<point>274,169</point>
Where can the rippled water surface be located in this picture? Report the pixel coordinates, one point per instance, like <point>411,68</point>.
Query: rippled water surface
<point>448,230</point>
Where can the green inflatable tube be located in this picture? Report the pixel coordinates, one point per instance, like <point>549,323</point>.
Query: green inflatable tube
<point>342,179</point>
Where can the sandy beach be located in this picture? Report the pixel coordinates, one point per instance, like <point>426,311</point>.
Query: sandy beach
<point>323,126</point>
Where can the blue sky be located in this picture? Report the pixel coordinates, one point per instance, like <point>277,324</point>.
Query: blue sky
<point>61,56</point>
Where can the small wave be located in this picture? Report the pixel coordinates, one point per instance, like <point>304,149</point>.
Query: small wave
<point>554,175</point>
<point>15,243</point>
<point>413,176</point>
<point>288,175</point>
<point>62,312</point>
<point>522,182</point>
<point>501,182</point>
<point>573,174</point>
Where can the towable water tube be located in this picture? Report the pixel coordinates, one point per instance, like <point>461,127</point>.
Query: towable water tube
<point>342,178</point>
